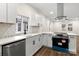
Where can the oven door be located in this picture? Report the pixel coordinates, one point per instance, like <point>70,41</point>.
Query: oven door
<point>60,43</point>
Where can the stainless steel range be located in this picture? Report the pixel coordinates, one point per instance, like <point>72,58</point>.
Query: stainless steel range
<point>60,42</point>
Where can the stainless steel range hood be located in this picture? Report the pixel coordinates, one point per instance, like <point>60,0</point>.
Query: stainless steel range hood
<point>60,9</point>
<point>60,12</point>
<point>61,17</point>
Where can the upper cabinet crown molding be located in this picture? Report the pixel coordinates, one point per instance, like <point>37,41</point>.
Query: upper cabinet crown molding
<point>8,12</point>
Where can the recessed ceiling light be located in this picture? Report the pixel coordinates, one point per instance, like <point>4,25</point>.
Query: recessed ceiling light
<point>51,12</point>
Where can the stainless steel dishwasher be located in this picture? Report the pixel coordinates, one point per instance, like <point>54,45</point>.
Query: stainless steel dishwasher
<point>14,49</point>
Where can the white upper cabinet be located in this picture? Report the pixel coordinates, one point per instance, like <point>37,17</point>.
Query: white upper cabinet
<point>12,12</point>
<point>8,12</point>
<point>2,12</point>
<point>35,20</point>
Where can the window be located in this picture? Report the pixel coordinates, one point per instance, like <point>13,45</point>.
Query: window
<point>18,23</point>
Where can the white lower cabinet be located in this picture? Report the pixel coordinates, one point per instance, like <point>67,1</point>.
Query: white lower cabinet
<point>72,44</point>
<point>35,44</point>
<point>29,46</point>
<point>32,45</point>
<point>40,40</point>
<point>49,40</point>
<point>44,38</point>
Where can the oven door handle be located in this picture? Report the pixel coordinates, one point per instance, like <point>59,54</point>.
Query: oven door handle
<point>68,40</point>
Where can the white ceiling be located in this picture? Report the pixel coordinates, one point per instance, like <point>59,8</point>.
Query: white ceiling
<point>46,8</point>
<point>70,9</point>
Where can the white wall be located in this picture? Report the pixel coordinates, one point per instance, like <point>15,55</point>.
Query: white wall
<point>71,9</point>
<point>51,27</point>
<point>56,26</point>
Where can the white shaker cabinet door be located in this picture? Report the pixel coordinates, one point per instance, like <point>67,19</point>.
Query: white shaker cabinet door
<point>37,40</point>
<point>12,12</point>
<point>49,40</point>
<point>41,40</point>
<point>34,20</point>
<point>35,44</point>
<point>3,12</point>
<point>29,47</point>
<point>32,45</point>
<point>72,43</point>
<point>44,37</point>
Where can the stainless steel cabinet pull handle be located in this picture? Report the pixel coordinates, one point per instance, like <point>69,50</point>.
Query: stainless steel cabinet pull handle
<point>33,42</point>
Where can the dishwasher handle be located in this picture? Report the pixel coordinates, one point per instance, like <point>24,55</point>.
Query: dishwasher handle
<point>14,44</point>
<point>8,46</point>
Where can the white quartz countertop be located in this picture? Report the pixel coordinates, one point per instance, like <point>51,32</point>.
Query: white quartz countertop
<point>19,37</point>
<point>72,34</point>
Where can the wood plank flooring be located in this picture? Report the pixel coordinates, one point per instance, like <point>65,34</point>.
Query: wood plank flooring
<point>45,51</point>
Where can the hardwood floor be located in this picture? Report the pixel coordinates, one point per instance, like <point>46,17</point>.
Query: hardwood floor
<point>45,51</point>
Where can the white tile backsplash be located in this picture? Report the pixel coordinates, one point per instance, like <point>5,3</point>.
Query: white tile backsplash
<point>35,29</point>
<point>7,30</point>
